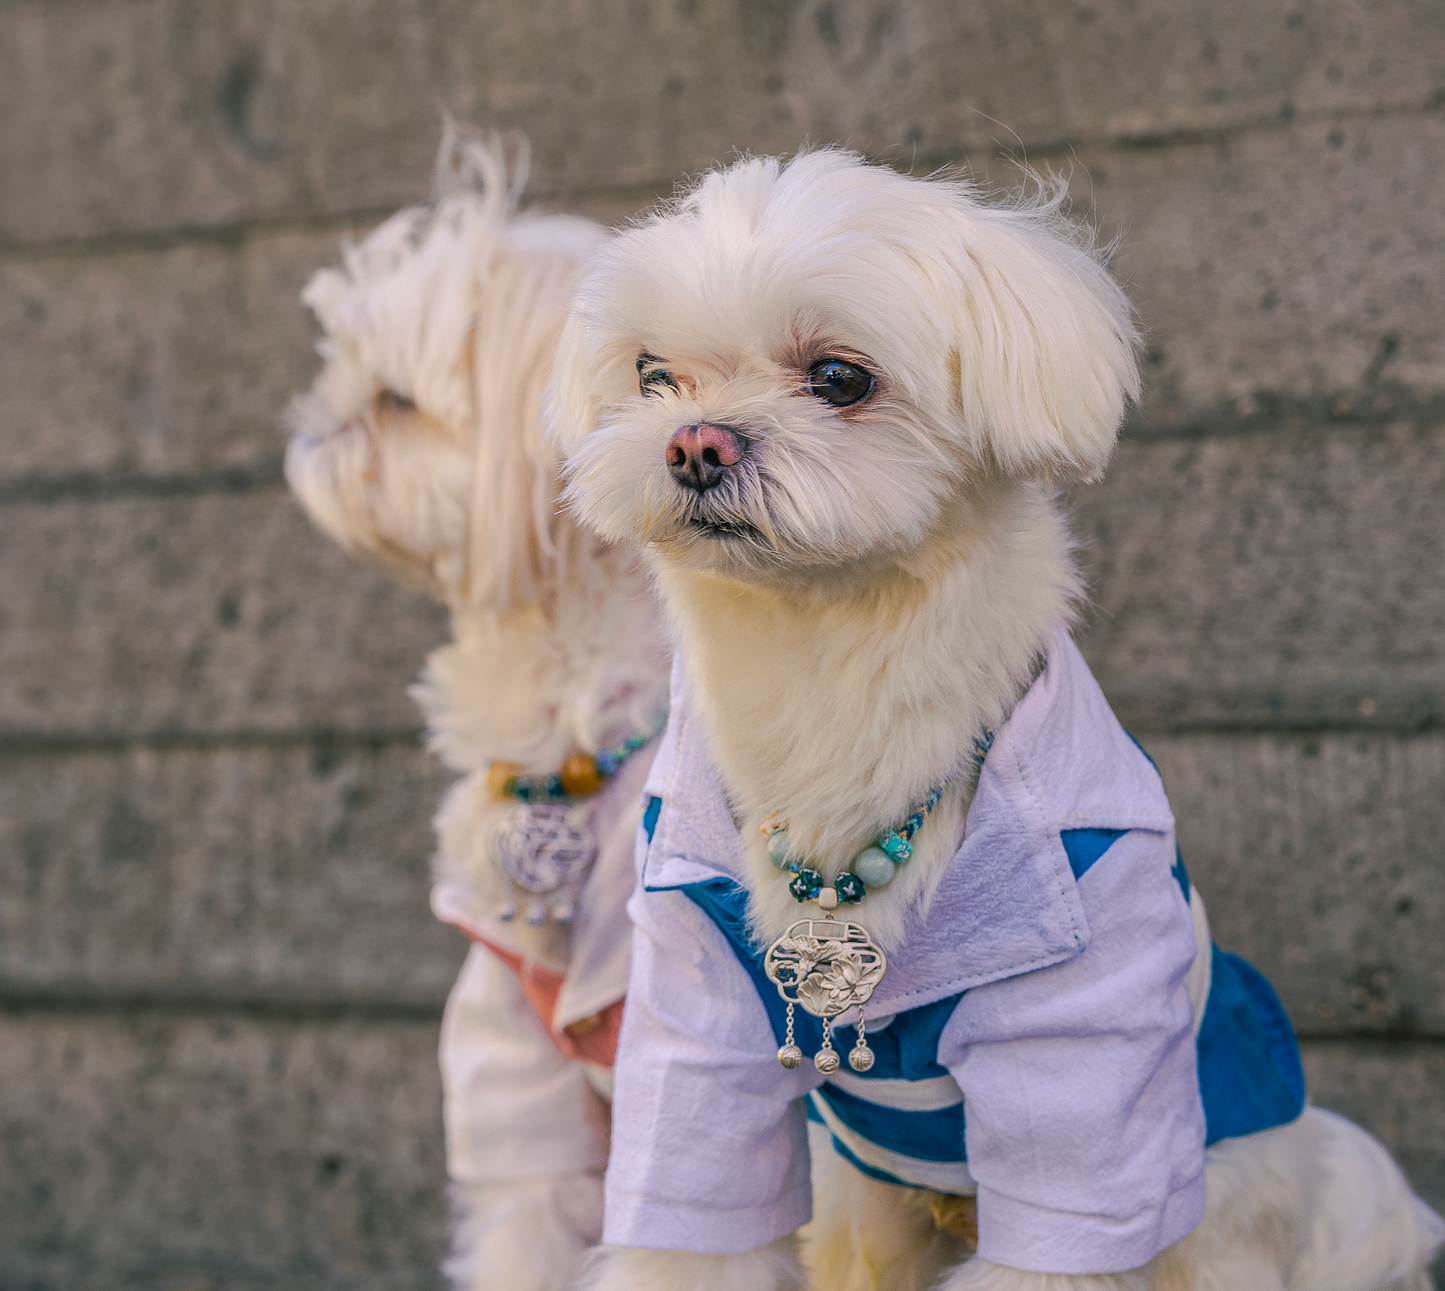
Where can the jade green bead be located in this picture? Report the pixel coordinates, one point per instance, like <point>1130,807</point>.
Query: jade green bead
<point>874,866</point>
<point>778,847</point>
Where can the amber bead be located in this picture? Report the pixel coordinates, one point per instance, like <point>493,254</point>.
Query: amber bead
<point>580,776</point>
<point>500,776</point>
<point>584,1026</point>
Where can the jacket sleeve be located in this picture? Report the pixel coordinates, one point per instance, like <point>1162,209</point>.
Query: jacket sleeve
<point>514,1107</point>
<point>1083,1123</point>
<point>709,1134</point>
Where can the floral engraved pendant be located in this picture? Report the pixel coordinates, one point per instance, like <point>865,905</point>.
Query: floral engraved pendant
<point>547,850</point>
<point>826,965</point>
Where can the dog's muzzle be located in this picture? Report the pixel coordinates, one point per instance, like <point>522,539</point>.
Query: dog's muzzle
<point>699,457</point>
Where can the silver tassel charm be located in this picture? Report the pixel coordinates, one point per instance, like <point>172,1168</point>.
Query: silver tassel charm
<point>861,1057</point>
<point>790,1056</point>
<point>828,966</point>
<point>826,1059</point>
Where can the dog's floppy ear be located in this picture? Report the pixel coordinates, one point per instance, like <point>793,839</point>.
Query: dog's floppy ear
<point>569,406</point>
<point>1044,348</point>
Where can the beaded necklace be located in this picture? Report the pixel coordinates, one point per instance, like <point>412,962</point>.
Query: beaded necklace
<point>833,965</point>
<point>545,845</point>
<point>872,868</point>
<point>580,776</point>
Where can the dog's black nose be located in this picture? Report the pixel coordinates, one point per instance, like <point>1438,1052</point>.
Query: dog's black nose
<point>699,456</point>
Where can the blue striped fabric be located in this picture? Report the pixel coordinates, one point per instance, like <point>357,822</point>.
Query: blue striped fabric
<point>903,1120</point>
<point>912,1138</point>
<point>924,1136</point>
<point>1249,1063</point>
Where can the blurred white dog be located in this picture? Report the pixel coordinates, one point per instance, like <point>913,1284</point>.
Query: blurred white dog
<point>419,449</point>
<point>834,402</point>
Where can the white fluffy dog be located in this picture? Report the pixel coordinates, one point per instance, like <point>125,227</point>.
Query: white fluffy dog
<point>833,403</point>
<point>419,449</point>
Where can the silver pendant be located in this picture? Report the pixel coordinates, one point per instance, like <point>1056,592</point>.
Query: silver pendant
<point>547,850</point>
<point>828,966</point>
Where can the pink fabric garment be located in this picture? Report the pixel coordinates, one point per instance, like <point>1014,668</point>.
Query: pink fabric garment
<point>592,1039</point>
<point>523,1095</point>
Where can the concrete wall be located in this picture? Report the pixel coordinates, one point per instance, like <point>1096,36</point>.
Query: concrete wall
<point>219,985</point>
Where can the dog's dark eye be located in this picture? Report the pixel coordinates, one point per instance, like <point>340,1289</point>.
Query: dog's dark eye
<point>390,401</point>
<point>839,383</point>
<point>652,375</point>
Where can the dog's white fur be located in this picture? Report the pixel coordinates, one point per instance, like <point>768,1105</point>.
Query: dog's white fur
<point>870,585</point>
<point>420,449</point>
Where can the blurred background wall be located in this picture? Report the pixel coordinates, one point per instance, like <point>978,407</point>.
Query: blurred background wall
<point>219,983</point>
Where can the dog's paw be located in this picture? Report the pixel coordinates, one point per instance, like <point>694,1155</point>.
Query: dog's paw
<point>529,1235</point>
<point>628,1268</point>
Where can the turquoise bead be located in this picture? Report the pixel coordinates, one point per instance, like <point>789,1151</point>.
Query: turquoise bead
<point>874,866</point>
<point>778,848</point>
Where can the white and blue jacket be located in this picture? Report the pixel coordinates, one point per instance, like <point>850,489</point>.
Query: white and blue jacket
<point>1044,1036</point>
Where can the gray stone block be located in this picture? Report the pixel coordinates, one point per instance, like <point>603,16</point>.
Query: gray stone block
<point>261,874</point>
<point>1397,1092</point>
<point>1318,858</point>
<point>266,110</point>
<point>177,362</point>
<point>225,1153</point>
<point>1270,579</point>
<point>1298,262</point>
<point>1284,579</point>
<point>1273,263</point>
<point>167,1151</point>
<point>218,612</point>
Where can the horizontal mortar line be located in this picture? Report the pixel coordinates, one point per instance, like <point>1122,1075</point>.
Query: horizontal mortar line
<point>1371,407</point>
<point>52,488</point>
<point>16,998</point>
<point>1291,728</point>
<point>1385,1039</point>
<point>1341,410</point>
<point>231,232</point>
<point>20,744</point>
<point>1182,135</point>
<point>235,231</point>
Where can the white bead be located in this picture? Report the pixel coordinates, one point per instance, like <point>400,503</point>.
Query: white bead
<point>507,911</point>
<point>828,898</point>
<point>563,912</point>
<point>875,867</point>
<point>536,913</point>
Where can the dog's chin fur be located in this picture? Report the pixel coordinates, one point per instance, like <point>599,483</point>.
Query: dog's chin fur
<point>840,703</point>
<point>869,587</point>
<point>419,449</point>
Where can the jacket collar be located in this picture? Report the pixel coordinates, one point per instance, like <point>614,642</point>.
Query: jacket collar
<point>1007,902</point>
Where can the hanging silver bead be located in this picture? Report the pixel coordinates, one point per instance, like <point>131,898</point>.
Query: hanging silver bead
<point>506,911</point>
<point>826,1059</point>
<point>536,913</point>
<point>790,1056</point>
<point>861,1057</point>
